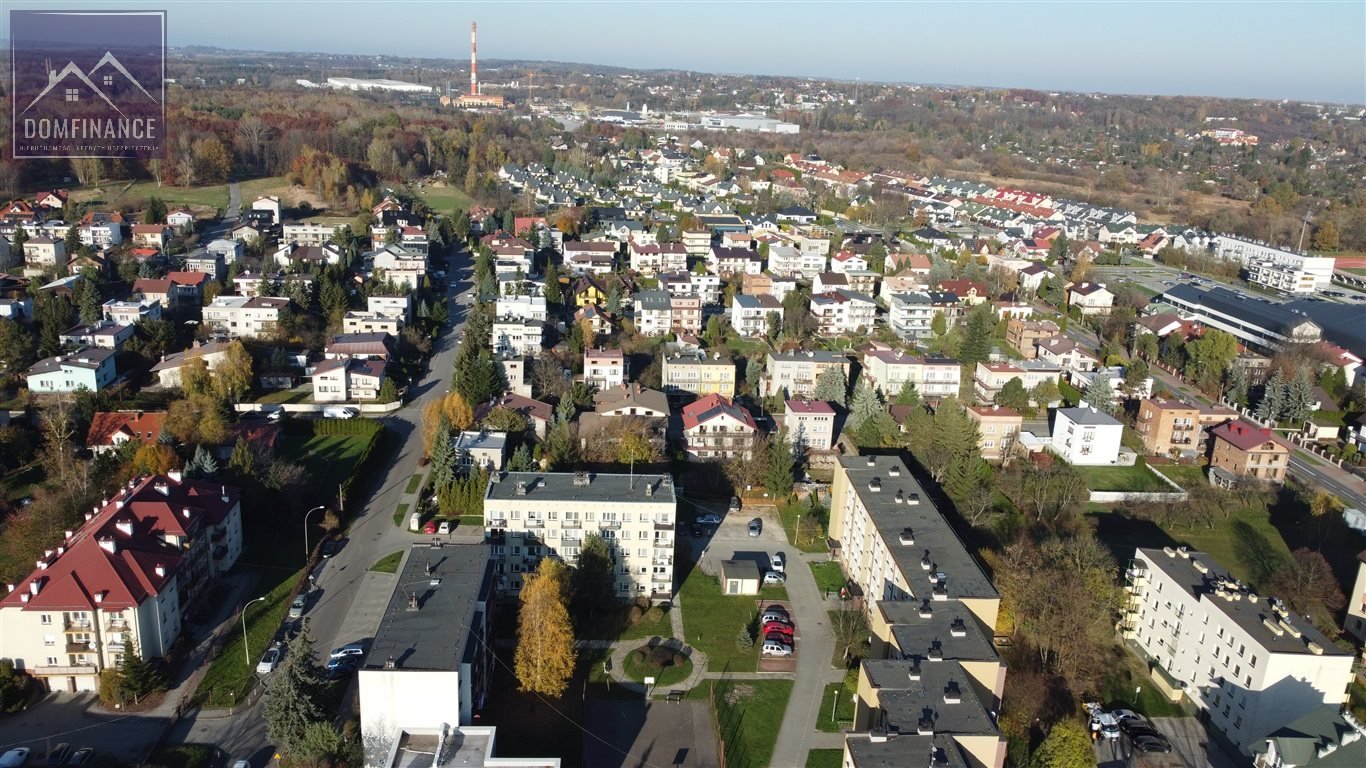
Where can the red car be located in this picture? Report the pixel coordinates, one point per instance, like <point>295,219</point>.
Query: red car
<point>430,527</point>
<point>779,637</point>
<point>778,627</point>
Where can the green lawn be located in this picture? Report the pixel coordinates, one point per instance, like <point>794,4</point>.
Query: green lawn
<point>646,629</point>
<point>184,756</point>
<point>749,713</point>
<point>232,673</point>
<point>20,482</point>
<point>213,196</point>
<point>712,621</point>
<point>773,592</point>
<point>1187,476</point>
<point>673,674</point>
<point>281,396</point>
<point>1136,478</point>
<point>444,199</point>
<point>388,563</point>
<point>1126,674</point>
<point>329,459</point>
<point>825,758</point>
<point>838,697</point>
<point>401,514</point>
<point>829,577</point>
<point>812,539</point>
<point>414,483</point>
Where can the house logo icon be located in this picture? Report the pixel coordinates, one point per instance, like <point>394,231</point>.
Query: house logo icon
<point>88,83</point>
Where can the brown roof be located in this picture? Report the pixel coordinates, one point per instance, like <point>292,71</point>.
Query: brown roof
<point>1244,436</point>
<point>137,425</point>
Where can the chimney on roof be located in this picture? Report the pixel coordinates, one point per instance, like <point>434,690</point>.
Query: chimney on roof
<point>99,598</point>
<point>160,571</point>
<point>162,488</point>
<point>35,586</point>
<point>108,544</point>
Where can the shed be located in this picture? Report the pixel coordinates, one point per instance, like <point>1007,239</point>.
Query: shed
<point>740,577</point>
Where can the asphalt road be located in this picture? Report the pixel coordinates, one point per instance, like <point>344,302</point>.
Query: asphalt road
<point>349,600</point>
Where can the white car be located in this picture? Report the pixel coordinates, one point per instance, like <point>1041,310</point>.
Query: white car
<point>269,661</point>
<point>444,528</point>
<point>775,648</point>
<point>350,649</point>
<point>339,412</point>
<point>774,577</point>
<point>776,563</point>
<point>709,519</point>
<point>14,758</point>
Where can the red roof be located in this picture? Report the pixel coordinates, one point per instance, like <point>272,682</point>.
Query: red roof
<point>809,406</point>
<point>188,278</point>
<point>962,288</point>
<point>1243,436</point>
<point>120,557</point>
<point>713,406</point>
<point>143,427</point>
<point>149,229</point>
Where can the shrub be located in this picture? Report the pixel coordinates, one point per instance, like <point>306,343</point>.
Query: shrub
<point>655,615</point>
<point>744,640</point>
<point>679,659</point>
<point>634,615</point>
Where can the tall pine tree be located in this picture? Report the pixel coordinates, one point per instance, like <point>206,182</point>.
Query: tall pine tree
<point>296,697</point>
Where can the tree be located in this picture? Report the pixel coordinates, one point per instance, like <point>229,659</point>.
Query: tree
<point>1208,357</point>
<point>1272,404</point>
<point>232,378</point>
<point>1100,395</point>
<point>849,626</point>
<point>322,745</point>
<point>832,386</point>
<point>153,459</point>
<point>1066,746</point>
<point>137,675</point>
<point>778,472</point>
<point>545,656</point>
<point>445,459</point>
<point>1326,236</point>
<point>1013,395</point>
<point>521,460</point>
<point>242,462</point>
<point>16,347</point>
<point>388,391</point>
<point>938,325</point>
<point>754,374</point>
<point>553,289</point>
<point>594,580</point>
<point>72,241</point>
<point>1046,392</point>
<point>976,346</point>
<point>13,685</point>
<point>296,694</point>
<point>865,405</point>
<point>1146,347</point>
<point>504,419</point>
<point>908,395</point>
<point>1299,398</point>
<point>155,212</point>
<point>1306,582</point>
<point>202,464</point>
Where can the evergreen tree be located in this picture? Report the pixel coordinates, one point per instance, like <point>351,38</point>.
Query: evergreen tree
<point>778,472</point>
<point>203,464</point>
<point>296,694</point>
<point>565,411</point>
<point>388,391</point>
<point>155,212</point>
<point>908,395</point>
<point>865,405</point>
<point>138,676</point>
<point>613,299</point>
<point>1299,398</point>
<point>444,457</point>
<point>88,302</point>
<point>1100,395</point>
<point>832,386</point>
<point>242,463</point>
<point>54,318</point>
<point>976,346</point>
<point>521,460</point>
<point>593,581</point>
<point>1013,395</point>
<point>754,374</point>
<point>553,289</point>
<point>1272,404</point>
<point>72,242</point>
<point>441,312</point>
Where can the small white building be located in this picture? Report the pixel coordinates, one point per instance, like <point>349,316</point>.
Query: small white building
<point>810,423</point>
<point>749,314</point>
<point>841,311</point>
<point>1086,437</point>
<point>91,369</point>
<point>1090,298</point>
<point>529,307</point>
<point>347,380</point>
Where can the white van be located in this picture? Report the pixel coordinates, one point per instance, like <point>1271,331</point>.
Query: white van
<point>339,412</point>
<point>415,522</point>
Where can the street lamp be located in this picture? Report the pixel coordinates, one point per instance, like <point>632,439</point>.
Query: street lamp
<point>306,514</point>
<point>246,651</point>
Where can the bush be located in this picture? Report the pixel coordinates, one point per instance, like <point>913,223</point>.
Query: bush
<point>744,640</point>
<point>654,615</point>
<point>634,615</point>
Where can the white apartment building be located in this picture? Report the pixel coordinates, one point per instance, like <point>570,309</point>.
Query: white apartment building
<point>369,322</point>
<point>789,260</point>
<point>911,315</point>
<point>933,377</point>
<point>391,306</point>
<point>1243,658</point>
<point>810,423</point>
<point>1263,260</point>
<point>990,378</point>
<point>532,515</point>
<point>129,312</point>
<point>229,250</point>
<point>240,316</point>
<point>515,336</point>
<point>124,576</point>
<point>531,307</point>
<point>653,313</point>
<point>1085,436</point>
<point>794,374</point>
<point>706,287</point>
<point>749,314</point>
<point>604,368</point>
<point>348,380</point>
<point>654,259</point>
<point>316,232</point>
<point>841,311</point>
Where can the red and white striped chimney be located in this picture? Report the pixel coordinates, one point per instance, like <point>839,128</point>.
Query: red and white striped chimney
<point>474,58</point>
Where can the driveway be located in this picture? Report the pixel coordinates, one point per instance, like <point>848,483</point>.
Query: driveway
<point>69,718</point>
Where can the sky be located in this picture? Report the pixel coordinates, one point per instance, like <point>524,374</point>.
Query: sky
<point>1309,51</point>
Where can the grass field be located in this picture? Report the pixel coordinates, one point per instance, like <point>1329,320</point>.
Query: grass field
<point>328,459</point>
<point>21,481</point>
<point>414,483</point>
<point>712,621</point>
<point>670,675</point>
<point>829,577</point>
<point>232,673</point>
<point>444,199</point>
<point>749,714</point>
<point>839,698</point>
<point>400,513</point>
<point>811,540</point>
<point>646,629</point>
<point>205,199</point>
<point>302,394</point>
<point>1136,478</point>
<point>825,758</point>
<point>1185,475</point>
<point>388,563</point>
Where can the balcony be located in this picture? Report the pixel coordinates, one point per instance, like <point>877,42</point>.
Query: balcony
<point>535,523</point>
<point>571,542</point>
<point>664,526</point>
<point>496,523</point>
<point>571,524</point>
<point>83,646</point>
<point>116,625</point>
<point>65,670</point>
<point>610,525</point>
<point>79,625</point>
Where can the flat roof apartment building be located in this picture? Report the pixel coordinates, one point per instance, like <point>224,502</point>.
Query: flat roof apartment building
<point>532,515</point>
<point>1241,657</point>
<point>699,375</point>
<point>794,374</point>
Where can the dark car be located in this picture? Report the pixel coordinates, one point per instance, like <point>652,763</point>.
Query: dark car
<point>697,530</point>
<point>329,548</point>
<point>778,637</point>
<point>1150,743</point>
<point>58,754</point>
<point>81,756</point>
<point>734,504</point>
<point>339,668</point>
<point>1135,725</point>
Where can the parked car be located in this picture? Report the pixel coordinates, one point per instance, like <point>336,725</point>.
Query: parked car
<point>697,531</point>
<point>1106,724</point>
<point>81,756</point>
<point>59,754</point>
<point>339,412</point>
<point>241,764</point>
<point>776,563</point>
<point>734,504</point>
<point>778,627</point>
<point>339,668</point>
<point>756,526</point>
<point>445,527</point>
<point>269,661</point>
<point>1151,742</point>
<point>774,577</point>
<point>14,758</point>
<point>430,527</point>
<point>775,648</point>
<point>1124,715</point>
<point>709,519</point>
<point>296,608</point>
<point>779,617</point>
<point>329,548</point>
<point>350,649</point>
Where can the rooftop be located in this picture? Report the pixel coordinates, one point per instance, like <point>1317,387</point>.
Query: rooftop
<point>436,605</point>
<point>809,406</point>
<point>938,751</point>
<point>582,486</point>
<point>948,627</point>
<point>934,693</point>
<point>1089,417</point>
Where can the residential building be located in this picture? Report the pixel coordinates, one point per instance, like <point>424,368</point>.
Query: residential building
<point>91,368</point>
<point>1326,737</point>
<point>1023,334</point>
<point>171,367</point>
<point>970,293</point>
<point>111,431</point>
<point>1244,659</point>
<point>734,261</point>
<point>526,307</point>
<point>348,380</point>
<point>790,261</point>
<point>239,316</point>
<point>626,401</point>
<point>400,306</point>
<point>1066,354</point>
<point>714,427</point>
<point>516,336</point>
<point>1240,449</point>
<point>840,312</point>
<point>539,415</point>
<point>122,579</point>
<point>699,375</point>
<point>810,423</point>
<point>933,377</point>
<point>935,700</point>
<point>749,314</point>
<point>1277,268</point>
<point>176,289</point>
<point>229,250</point>
<point>252,284</point>
<point>361,346</point>
<point>410,684</point>
<point>1355,623</point>
<point>656,259</point>
<point>369,322</point>
<point>911,315</point>
<point>707,287</point>
<point>1170,428</point>
<point>1086,437</point>
<point>44,254</point>
<point>130,312</point>
<point>269,203</point>
<point>590,258</point>
<point>1090,298</point>
<point>532,515</point>
<point>102,333</point>
<point>794,374</point>
<point>998,430</point>
<point>686,313</point>
<point>604,368</point>
<point>482,449</point>
<point>294,256</point>
<point>208,263</point>
<point>653,313</point>
<point>156,236</point>
<point>990,378</point>
<point>1252,321</point>
<point>315,232</point>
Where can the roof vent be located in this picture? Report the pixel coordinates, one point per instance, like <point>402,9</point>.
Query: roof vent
<point>912,498</point>
<point>894,471</point>
<point>521,487</point>
<point>952,695</point>
<point>875,485</point>
<point>108,544</point>
<point>99,598</point>
<point>1315,648</point>
<point>1184,552</point>
<point>1199,566</point>
<point>412,603</point>
<point>900,497</point>
<point>925,563</point>
<point>925,611</point>
<point>66,535</point>
<point>581,479</point>
<point>163,489</point>
<point>872,461</point>
<point>936,652</point>
<point>958,628</point>
<point>160,571</point>
<point>35,586</point>
<point>1169,552</point>
<point>925,725</point>
<point>914,672</point>
<point>907,536</point>
<point>185,513</point>
<point>390,664</point>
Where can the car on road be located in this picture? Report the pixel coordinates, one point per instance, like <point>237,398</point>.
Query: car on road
<point>734,504</point>
<point>241,764</point>
<point>774,577</point>
<point>269,661</point>
<point>776,563</point>
<point>81,756</point>
<point>697,531</point>
<point>756,526</point>
<point>709,519</point>
<point>445,527</point>
<point>59,754</point>
<point>1150,742</point>
<point>296,609</point>
<point>1124,715</point>
<point>339,668</point>
<point>329,548</point>
<point>339,412</point>
<point>14,758</point>
<point>350,649</point>
<point>775,648</point>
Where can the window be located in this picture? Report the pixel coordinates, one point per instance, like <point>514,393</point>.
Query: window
<point>49,640</point>
<point>45,618</point>
<point>52,661</point>
<point>73,94</point>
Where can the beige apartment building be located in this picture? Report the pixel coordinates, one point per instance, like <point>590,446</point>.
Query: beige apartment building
<point>998,429</point>
<point>699,375</point>
<point>240,316</point>
<point>1022,334</point>
<point>1169,428</point>
<point>796,373</point>
<point>1243,450</point>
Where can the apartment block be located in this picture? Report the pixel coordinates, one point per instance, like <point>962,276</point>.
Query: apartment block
<point>1169,428</point>
<point>529,516</point>
<point>932,377</point>
<point>604,368</point>
<point>517,336</point>
<point>1244,659</point>
<point>699,375</point>
<point>794,374</point>
<point>1242,450</point>
<point>715,427</point>
<point>240,316</point>
<point>1022,334</point>
<point>810,423</point>
<point>749,314</point>
<point>998,429</point>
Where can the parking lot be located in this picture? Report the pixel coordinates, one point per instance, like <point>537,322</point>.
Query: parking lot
<point>1191,748</point>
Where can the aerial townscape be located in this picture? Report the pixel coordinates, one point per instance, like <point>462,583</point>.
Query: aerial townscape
<point>419,412</point>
